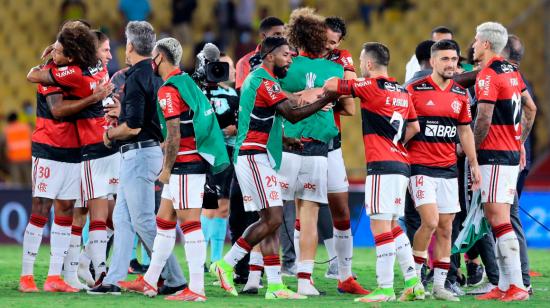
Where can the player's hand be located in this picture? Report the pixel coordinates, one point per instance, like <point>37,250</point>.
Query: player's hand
<point>164,176</point>
<point>292,144</point>
<point>230,130</point>
<point>308,96</point>
<point>113,110</point>
<point>47,52</point>
<point>327,107</point>
<point>106,140</point>
<point>476,176</point>
<point>102,91</point>
<point>522,158</point>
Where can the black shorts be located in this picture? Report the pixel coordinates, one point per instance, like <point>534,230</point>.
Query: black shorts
<point>217,186</point>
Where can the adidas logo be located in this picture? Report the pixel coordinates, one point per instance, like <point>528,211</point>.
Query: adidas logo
<point>430,103</point>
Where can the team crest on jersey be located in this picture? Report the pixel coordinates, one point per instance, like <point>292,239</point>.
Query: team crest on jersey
<point>162,104</point>
<point>310,80</point>
<point>456,106</point>
<point>275,88</point>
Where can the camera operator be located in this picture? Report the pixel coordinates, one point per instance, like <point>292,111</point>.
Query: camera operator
<point>225,102</point>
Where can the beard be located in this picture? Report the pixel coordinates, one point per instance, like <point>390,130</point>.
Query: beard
<point>280,71</point>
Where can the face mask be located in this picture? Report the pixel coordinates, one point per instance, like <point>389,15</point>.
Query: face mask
<point>279,71</point>
<point>156,66</point>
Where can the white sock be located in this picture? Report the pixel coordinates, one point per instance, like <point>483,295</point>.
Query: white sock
<point>255,267</point>
<point>162,248</point>
<point>419,261</point>
<point>404,254</point>
<point>60,240</point>
<point>31,243</point>
<point>272,266</point>
<point>70,266</point>
<point>331,251</point>
<point>240,249</point>
<point>97,246</point>
<point>305,269</point>
<point>509,248</point>
<point>385,259</point>
<point>343,244</point>
<point>297,239</point>
<point>441,268</point>
<point>195,252</point>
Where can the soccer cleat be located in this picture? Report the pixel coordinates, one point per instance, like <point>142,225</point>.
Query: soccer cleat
<point>307,287</point>
<point>27,284</point>
<point>280,291</point>
<point>495,293</point>
<point>75,283</point>
<point>351,286</point>
<point>105,289</point>
<point>378,295</point>
<point>515,293</point>
<point>135,267</point>
<point>414,290</point>
<point>99,280</point>
<point>138,286</point>
<point>57,284</point>
<point>187,296</point>
<point>475,274</point>
<point>444,294</point>
<point>224,272</point>
<point>482,289</point>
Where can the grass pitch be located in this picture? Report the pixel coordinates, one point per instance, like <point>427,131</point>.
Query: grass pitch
<point>363,265</point>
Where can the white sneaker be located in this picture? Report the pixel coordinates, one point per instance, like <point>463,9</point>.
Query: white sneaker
<point>305,287</point>
<point>84,274</point>
<point>74,282</point>
<point>332,271</point>
<point>483,289</point>
<point>444,294</point>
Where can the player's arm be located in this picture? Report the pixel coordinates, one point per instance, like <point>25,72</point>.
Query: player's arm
<point>467,79</point>
<point>171,147</point>
<point>63,108</point>
<point>467,142</point>
<point>346,104</point>
<point>485,111</point>
<point>291,109</point>
<point>38,75</point>
<point>528,114</point>
<point>413,128</point>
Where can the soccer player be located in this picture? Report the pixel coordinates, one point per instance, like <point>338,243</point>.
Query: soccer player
<point>257,157</point>
<point>505,115</point>
<point>56,156</point>
<point>193,142</point>
<point>99,167</point>
<point>337,181</point>
<point>269,26</point>
<point>389,121</point>
<point>443,111</point>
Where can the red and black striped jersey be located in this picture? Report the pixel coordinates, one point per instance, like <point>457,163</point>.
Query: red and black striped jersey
<point>173,106</point>
<point>344,58</point>
<point>90,122</point>
<point>268,95</point>
<point>433,150</point>
<point>501,84</point>
<point>385,111</point>
<point>54,139</point>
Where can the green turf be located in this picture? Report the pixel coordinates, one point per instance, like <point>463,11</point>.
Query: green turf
<point>364,266</point>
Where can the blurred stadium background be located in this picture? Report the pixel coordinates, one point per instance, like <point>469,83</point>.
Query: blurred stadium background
<point>28,26</point>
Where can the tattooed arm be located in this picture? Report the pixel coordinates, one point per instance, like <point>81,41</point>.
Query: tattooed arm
<point>528,114</point>
<point>483,121</point>
<point>171,147</point>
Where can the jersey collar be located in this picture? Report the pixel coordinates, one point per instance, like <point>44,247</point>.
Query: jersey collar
<point>435,85</point>
<point>175,72</point>
<point>268,71</point>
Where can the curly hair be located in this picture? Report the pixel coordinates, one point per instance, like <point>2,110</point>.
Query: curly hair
<point>307,31</point>
<point>80,44</point>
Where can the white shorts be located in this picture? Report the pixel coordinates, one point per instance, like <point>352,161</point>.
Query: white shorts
<point>258,181</point>
<point>498,183</point>
<point>431,190</point>
<point>186,191</point>
<point>385,194</point>
<point>337,181</point>
<point>303,177</point>
<point>55,180</point>
<point>100,177</point>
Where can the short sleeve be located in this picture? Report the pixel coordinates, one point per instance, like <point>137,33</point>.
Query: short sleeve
<point>359,87</point>
<point>270,93</point>
<point>522,83</point>
<point>486,86</point>
<point>347,61</point>
<point>411,112</point>
<point>49,90</point>
<point>465,115</point>
<point>67,76</point>
<point>170,102</point>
